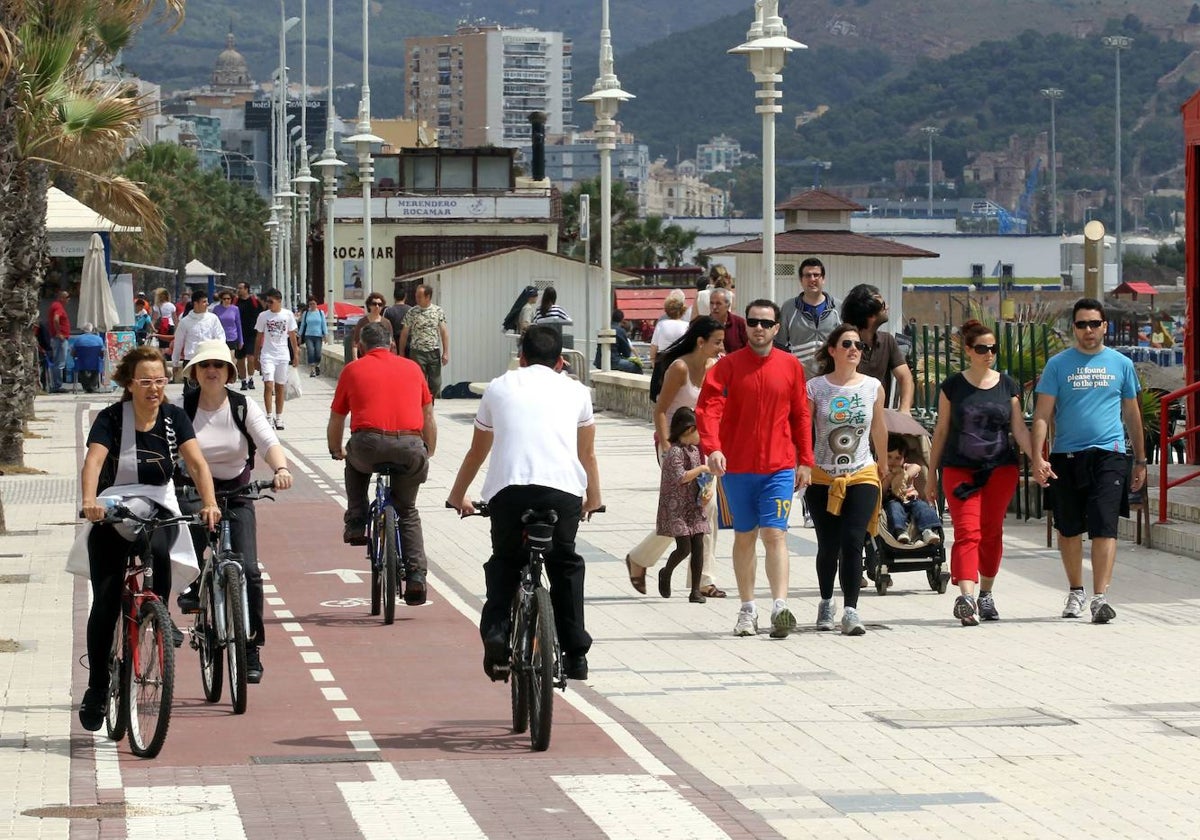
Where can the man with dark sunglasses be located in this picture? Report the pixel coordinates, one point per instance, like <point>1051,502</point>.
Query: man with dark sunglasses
<point>755,429</point>
<point>1086,391</point>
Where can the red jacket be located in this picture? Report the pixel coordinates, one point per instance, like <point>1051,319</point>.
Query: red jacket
<point>754,409</point>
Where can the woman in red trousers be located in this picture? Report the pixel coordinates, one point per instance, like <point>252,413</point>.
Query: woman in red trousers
<point>979,421</point>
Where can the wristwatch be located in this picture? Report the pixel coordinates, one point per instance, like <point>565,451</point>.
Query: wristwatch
<point>1139,463</point>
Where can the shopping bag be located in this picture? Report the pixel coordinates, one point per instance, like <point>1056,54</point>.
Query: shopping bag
<point>724,514</point>
<point>293,391</point>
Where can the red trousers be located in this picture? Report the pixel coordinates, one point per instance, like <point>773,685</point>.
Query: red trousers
<point>978,521</point>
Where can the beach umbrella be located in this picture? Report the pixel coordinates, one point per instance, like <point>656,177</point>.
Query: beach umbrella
<point>96,305</point>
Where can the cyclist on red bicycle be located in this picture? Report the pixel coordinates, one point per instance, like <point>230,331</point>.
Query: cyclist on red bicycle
<point>131,453</point>
<point>391,422</point>
<point>540,422</point>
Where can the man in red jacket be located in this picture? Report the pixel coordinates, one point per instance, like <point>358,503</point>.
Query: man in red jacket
<point>755,428</point>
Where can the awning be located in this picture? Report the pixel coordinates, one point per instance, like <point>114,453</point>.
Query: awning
<point>646,304</point>
<point>195,268</point>
<point>1135,289</point>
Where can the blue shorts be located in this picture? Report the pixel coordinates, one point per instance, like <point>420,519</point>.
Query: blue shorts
<point>759,500</point>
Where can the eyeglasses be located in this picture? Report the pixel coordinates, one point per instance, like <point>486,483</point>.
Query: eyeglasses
<point>156,382</point>
<point>847,343</point>
<point>374,303</point>
<point>206,364</point>
<point>1094,324</point>
<point>765,323</point>
<point>812,275</point>
<point>984,349</point>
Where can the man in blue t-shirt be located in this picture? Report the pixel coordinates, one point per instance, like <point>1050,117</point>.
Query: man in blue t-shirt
<point>1086,391</point>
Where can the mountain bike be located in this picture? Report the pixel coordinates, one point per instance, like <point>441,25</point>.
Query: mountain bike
<point>141,664</point>
<point>383,544</point>
<point>534,668</point>
<point>223,621</point>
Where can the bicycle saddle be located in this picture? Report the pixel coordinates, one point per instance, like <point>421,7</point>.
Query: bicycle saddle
<point>391,468</point>
<point>539,517</point>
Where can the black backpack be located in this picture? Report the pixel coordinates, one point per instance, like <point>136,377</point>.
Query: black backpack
<point>237,402</point>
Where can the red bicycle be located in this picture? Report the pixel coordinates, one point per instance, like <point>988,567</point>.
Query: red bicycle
<point>141,666</point>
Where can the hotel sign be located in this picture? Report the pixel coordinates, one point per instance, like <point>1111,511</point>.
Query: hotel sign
<point>441,207</point>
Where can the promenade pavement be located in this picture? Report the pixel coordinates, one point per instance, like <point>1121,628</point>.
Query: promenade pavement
<point>1034,726</point>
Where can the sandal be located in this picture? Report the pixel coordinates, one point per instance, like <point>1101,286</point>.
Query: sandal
<point>639,581</point>
<point>711,591</point>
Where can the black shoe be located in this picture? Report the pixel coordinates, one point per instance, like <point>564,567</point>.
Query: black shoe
<point>176,635</point>
<point>91,710</point>
<point>245,385</point>
<point>575,666</point>
<point>496,657</point>
<point>189,600</point>
<point>354,536</point>
<point>414,588</point>
<point>254,666</point>
<point>251,383</point>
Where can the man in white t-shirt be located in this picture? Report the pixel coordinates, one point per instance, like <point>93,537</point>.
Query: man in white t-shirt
<point>198,325</point>
<point>543,458</point>
<point>277,350</point>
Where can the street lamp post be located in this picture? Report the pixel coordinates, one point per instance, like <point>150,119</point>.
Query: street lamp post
<point>283,193</point>
<point>1118,44</point>
<point>304,180</point>
<point>329,165</point>
<point>1053,94</point>
<point>362,140</point>
<point>929,131</point>
<point>606,97</point>
<point>766,47</point>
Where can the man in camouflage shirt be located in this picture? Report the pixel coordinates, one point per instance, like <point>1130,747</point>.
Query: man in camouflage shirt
<point>427,338</point>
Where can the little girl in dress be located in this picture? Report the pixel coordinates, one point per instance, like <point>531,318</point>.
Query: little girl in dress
<point>685,489</point>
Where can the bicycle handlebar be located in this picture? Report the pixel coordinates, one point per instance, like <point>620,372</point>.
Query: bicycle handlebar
<point>251,490</point>
<point>481,509</point>
<point>119,513</point>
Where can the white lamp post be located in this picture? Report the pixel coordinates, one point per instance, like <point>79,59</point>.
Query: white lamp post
<point>362,140</point>
<point>606,96</point>
<point>1053,94</point>
<point>329,165</point>
<point>304,180</point>
<point>282,174</point>
<point>1118,44</point>
<point>766,47</point>
<point>929,131</point>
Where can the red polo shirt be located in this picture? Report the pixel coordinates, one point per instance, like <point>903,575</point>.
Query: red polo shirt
<point>382,391</point>
<point>60,322</point>
<point>755,410</point>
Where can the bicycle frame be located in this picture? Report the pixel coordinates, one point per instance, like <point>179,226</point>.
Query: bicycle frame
<point>539,537</point>
<point>221,545</point>
<point>139,578</point>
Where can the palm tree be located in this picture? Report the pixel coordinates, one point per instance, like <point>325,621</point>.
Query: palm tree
<point>63,122</point>
<point>624,207</point>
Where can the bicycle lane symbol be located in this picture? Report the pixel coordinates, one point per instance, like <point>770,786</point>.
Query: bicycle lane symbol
<point>351,603</point>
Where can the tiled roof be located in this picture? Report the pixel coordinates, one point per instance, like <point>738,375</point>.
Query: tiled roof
<point>819,200</point>
<point>837,242</point>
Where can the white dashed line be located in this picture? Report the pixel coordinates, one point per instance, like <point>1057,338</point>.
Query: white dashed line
<point>333,693</point>
<point>311,657</point>
<point>321,674</point>
<point>362,741</point>
<point>292,627</point>
<point>283,614</point>
<point>343,714</point>
<point>302,641</point>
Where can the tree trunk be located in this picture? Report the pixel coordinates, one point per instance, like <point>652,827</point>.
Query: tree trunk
<point>23,230</point>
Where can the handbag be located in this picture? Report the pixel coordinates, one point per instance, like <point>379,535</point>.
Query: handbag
<point>724,513</point>
<point>293,391</point>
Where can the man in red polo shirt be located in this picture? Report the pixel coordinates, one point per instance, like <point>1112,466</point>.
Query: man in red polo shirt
<point>392,422</point>
<point>60,335</point>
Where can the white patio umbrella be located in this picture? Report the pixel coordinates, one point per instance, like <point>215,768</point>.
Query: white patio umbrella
<point>96,305</point>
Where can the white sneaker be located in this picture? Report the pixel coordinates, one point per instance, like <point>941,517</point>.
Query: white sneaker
<point>279,423</point>
<point>782,623</point>
<point>903,538</point>
<point>1076,600</point>
<point>930,537</point>
<point>747,623</point>
<point>1102,611</point>
<point>851,624</point>
<point>825,611</point>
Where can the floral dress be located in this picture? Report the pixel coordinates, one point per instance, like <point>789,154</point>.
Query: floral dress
<point>680,513</point>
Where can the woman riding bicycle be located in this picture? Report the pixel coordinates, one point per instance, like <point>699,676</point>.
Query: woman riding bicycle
<point>229,429</point>
<point>131,452</point>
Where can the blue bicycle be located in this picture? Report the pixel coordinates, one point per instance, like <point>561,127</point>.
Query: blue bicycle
<point>383,544</point>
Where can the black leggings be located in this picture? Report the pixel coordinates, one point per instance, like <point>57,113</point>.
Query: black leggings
<point>107,553</point>
<point>692,545</point>
<point>842,535</point>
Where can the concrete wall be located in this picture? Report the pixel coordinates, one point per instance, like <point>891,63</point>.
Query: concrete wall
<point>622,393</point>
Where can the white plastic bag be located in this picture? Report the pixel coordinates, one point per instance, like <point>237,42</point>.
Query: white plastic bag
<point>293,391</point>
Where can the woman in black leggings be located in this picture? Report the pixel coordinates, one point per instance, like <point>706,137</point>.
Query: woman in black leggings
<point>844,497</point>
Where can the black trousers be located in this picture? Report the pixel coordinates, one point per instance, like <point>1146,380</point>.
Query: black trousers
<point>243,534</point>
<point>843,535</point>
<point>107,553</point>
<point>564,567</point>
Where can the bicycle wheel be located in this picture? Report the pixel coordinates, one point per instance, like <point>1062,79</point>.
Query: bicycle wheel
<point>391,564</point>
<point>116,708</point>
<point>518,673</point>
<point>208,644</point>
<point>150,680</point>
<point>235,634</point>
<point>374,553</point>
<point>541,671</point>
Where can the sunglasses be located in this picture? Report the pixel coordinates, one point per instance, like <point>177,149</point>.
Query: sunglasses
<point>374,303</point>
<point>1088,325</point>
<point>847,343</point>
<point>765,323</point>
<point>984,349</point>
<point>206,364</point>
<point>156,382</point>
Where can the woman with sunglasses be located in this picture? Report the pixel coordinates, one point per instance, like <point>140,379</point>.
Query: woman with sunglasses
<point>844,497</point>
<point>131,453</point>
<point>979,418</point>
<point>230,429</point>
<point>230,317</point>
<point>375,307</point>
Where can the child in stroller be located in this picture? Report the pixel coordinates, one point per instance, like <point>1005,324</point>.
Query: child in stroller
<point>902,502</point>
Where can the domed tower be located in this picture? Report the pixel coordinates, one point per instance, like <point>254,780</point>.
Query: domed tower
<point>230,70</point>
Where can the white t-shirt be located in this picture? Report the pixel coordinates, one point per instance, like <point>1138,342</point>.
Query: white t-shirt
<point>165,310</point>
<point>667,332</point>
<point>842,423</point>
<point>224,446</point>
<point>535,415</point>
<point>275,327</point>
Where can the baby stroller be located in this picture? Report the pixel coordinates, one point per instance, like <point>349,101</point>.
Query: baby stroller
<point>885,553</point>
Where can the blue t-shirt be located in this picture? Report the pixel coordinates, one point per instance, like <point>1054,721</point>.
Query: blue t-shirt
<point>1088,390</point>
